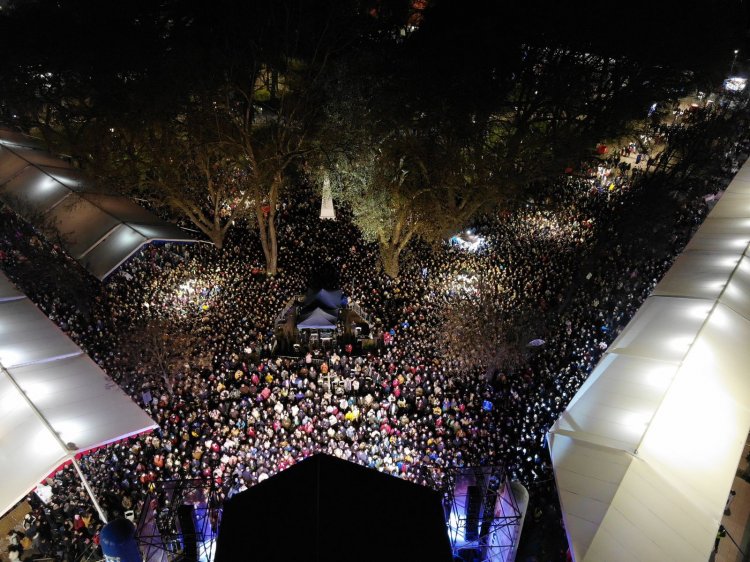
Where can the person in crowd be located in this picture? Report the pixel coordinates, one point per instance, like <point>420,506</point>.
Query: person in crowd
<point>231,411</point>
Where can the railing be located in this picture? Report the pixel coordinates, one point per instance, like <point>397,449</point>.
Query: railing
<point>361,313</point>
<point>282,315</point>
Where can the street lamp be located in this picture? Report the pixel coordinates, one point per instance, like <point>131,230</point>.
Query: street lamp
<point>734,61</point>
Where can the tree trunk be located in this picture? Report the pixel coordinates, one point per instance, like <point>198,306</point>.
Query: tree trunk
<point>268,239</point>
<point>273,246</point>
<point>217,237</point>
<point>389,259</point>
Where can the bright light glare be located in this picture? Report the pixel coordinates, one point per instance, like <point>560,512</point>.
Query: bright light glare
<point>37,391</point>
<point>636,420</point>
<point>43,442</point>
<point>9,357</point>
<point>681,344</point>
<point>187,287</point>
<point>468,241</point>
<point>693,426</point>
<point>660,377</point>
<point>735,84</point>
<point>456,529</point>
<point>701,311</point>
<point>463,283</point>
<point>69,431</point>
<point>11,400</point>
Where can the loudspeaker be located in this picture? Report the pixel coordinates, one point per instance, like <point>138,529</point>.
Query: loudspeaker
<point>186,519</point>
<point>488,517</point>
<point>473,506</point>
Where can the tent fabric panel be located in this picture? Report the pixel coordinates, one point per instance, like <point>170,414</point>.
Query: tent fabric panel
<point>312,324</point>
<point>741,182</point>
<point>118,246</point>
<point>737,293</point>
<point>28,451</point>
<point>48,387</point>
<point>122,208</point>
<point>609,418</point>
<point>32,193</point>
<point>81,402</point>
<point>15,138</point>
<point>633,376</point>
<point>317,319</point>
<point>38,157</point>
<point>743,174</point>
<point>653,519</point>
<point>328,299</point>
<point>70,177</point>
<point>83,218</point>
<point>315,325</point>
<point>81,224</point>
<point>318,313</point>
<point>8,290</point>
<point>28,336</point>
<point>698,274</point>
<point>709,397</point>
<point>663,328</point>
<point>732,205</point>
<point>580,533</point>
<point>587,477</point>
<point>721,235</point>
<point>166,232</point>
<point>10,164</point>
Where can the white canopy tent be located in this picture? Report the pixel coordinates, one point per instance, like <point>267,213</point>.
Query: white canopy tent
<point>645,453</point>
<point>55,402</point>
<point>99,230</point>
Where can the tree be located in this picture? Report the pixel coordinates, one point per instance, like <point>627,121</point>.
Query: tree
<point>270,111</point>
<point>403,188</point>
<point>265,141</point>
<point>465,113</point>
<point>62,89</point>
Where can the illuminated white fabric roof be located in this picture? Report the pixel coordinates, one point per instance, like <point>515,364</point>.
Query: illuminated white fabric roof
<point>49,386</point>
<point>646,452</point>
<point>101,231</point>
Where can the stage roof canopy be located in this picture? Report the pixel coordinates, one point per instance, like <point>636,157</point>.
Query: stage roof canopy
<point>317,319</point>
<point>646,452</point>
<point>50,388</point>
<point>325,508</point>
<point>323,298</point>
<point>99,230</point>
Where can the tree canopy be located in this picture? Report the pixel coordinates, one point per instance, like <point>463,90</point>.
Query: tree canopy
<point>421,113</point>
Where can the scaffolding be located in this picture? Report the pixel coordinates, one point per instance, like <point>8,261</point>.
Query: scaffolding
<point>482,514</point>
<point>164,529</point>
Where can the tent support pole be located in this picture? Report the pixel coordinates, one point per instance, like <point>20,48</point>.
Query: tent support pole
<point>90,492</point>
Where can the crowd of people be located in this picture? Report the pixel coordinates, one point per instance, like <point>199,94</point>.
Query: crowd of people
<point>232,413</point>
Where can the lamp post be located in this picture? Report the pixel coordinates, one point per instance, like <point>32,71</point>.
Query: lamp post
<point>734,61</point>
